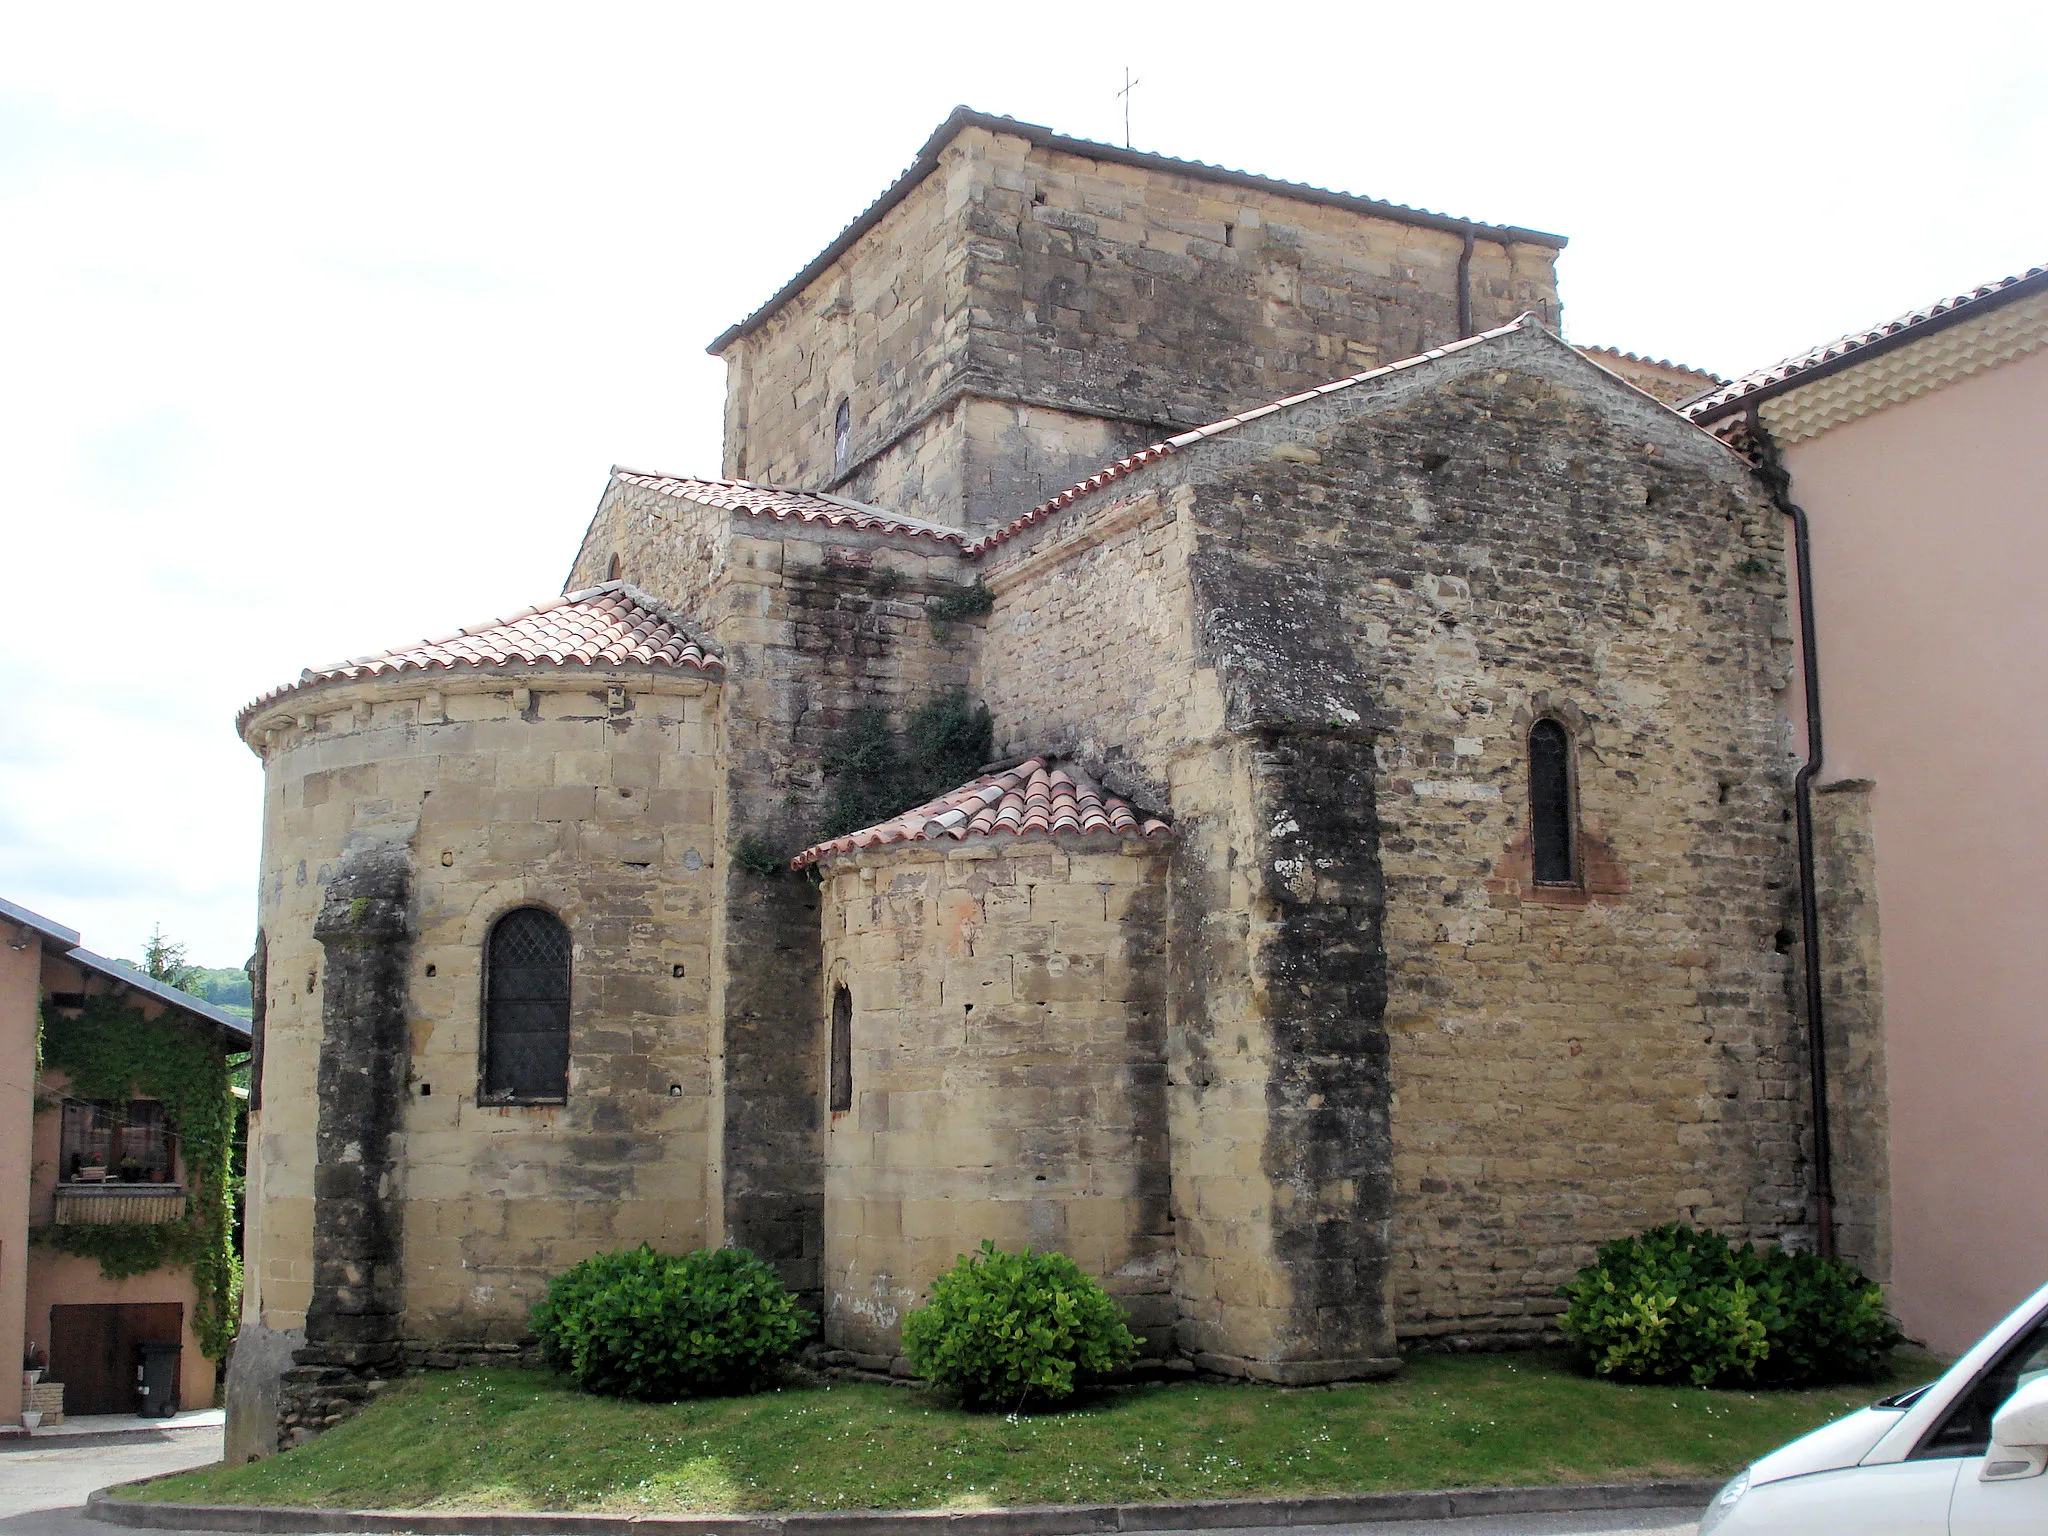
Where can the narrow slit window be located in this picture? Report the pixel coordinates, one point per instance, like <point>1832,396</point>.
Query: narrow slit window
<point>526,1008</point>
<point>1550,804</point>
<point>842,1049</point>
<point>842,437</point>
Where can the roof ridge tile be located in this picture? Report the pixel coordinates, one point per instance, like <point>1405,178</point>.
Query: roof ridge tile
<point>1006,802</point>
<point>607,625</point>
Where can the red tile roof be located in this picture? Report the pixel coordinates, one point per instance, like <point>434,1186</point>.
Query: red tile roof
<point>1654,362</point>
<point>804,506</point>
<point>1172,445</point>
<point>611,625</point>
<point>1035,797</point>
<point>966,117</point>
<point>1847,350</point>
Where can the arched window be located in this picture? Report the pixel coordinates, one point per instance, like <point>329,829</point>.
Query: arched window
<point>611,570</point>
<point>1550,804</point>
<point>842,437</point>
<point>842,1049</point>
<point>526,1008</point>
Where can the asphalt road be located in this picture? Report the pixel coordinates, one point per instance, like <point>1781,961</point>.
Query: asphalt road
<point>43,1489</point>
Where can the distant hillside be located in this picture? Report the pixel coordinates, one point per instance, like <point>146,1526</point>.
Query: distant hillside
<point>226,987</point>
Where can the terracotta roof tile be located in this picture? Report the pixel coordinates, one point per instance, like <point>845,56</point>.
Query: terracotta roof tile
<point>804,506</point>
<point>1917,322</point>
<point>611,625</point>
<point>1654,362</point>
<point>1036,797</point>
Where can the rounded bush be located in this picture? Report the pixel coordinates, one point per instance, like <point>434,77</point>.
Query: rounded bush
<point>657,1326</point>
<point>1016,1329</point>
<point>1681,1305</point>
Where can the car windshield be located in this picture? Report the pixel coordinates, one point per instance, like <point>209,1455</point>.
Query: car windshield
<point>1966,1429</point>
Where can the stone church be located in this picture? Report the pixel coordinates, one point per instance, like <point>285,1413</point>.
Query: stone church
<point>1377,897</point>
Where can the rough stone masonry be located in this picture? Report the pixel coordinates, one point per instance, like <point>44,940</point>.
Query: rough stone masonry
<point>1254,514</point>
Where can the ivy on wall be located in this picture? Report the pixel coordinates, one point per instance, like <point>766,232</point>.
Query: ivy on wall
<point>877,773</point>
<point>112,1054</point>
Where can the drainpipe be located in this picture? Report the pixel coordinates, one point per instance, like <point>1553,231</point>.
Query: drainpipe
<point>1465,285</point>
<point>1777,482</point>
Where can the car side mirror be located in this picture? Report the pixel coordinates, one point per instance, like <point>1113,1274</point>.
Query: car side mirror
<point>2019,1435</point>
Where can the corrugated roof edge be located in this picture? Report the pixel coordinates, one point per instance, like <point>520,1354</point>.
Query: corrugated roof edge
<point>114,970</point>
<point>1848,351</point>
<point>49,928</point>
<point>966,117</point>
<point>1654,362</point>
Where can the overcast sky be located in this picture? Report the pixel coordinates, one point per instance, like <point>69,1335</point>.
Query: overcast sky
<point>320,327</point>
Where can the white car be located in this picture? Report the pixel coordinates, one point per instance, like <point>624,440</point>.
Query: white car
<point>1963,1456</point>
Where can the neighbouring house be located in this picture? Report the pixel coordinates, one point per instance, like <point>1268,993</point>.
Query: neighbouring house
<point>117,1124</point>
<point>1370,887</point>
<point>1919,451</point>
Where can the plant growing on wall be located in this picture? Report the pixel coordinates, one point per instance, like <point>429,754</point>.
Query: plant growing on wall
<point>111,1053</point>
<point>878,773</point>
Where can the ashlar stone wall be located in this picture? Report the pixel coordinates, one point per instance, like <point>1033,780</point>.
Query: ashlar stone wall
<point>1008,1072</point>
<point>1029,313</point>
<point>815,623</point>
<point>1096,639</point>
<point>402,817</point>
<point>1487,542</point>
<point>1455,1080</point>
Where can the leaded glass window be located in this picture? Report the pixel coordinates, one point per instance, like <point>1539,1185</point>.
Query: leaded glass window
<point>526,1007</point>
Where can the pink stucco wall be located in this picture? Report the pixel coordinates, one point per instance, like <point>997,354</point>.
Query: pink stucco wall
<point>20,994</point>
<point>1930,543</point>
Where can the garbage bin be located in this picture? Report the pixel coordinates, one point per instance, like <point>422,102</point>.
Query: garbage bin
<point>156,1380</point>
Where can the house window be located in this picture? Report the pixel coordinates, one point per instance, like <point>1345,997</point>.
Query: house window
<point>611,569</point>
<point>126,1143</point>
<point>1550,804</point>
<point>842,1049</point>
<point>842,437</point>
<point>526,1008</point>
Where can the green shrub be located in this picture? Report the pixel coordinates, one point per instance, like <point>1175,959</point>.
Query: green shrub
<point>1680,1305</point>
<point>1825,1321</point>
<point>1015,1329</point>
<point>656,1327</point>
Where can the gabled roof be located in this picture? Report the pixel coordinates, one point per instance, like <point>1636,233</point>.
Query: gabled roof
<point>1173,445</point>
<point>236,1030</point>
<point>1849,351</point>
<point>966,117</point>
<point>613,625</point>
<point>58,937</point>
<point>1035,798</point>
<point>1654,362</point>
<point>804,506</point>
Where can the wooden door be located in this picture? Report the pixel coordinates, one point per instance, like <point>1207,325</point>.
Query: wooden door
<point>93,1350</point>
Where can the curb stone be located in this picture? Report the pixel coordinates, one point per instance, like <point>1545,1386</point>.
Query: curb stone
<point>1045,1520</point>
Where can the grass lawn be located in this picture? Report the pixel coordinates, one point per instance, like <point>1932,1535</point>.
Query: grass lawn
<point>521,1440</point>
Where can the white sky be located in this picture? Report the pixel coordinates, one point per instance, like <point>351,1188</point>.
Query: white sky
<point>319,328</point>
